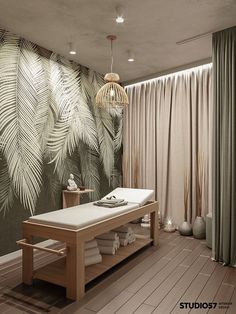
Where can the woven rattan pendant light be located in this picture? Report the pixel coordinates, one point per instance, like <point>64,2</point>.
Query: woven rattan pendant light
<point>111,94</point>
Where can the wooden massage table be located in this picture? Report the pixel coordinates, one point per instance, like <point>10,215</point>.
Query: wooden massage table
<point>76,225</point>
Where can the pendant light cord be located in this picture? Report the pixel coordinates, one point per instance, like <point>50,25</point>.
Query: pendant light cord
<point>111,56</point>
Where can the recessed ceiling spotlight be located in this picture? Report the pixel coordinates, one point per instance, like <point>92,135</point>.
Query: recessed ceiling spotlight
<point>72,49</point>
<point>120,19</point>
<point>130,56</point>
<point>119,15</point>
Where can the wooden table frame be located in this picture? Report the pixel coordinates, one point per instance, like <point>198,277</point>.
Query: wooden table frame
<point>74,240</point>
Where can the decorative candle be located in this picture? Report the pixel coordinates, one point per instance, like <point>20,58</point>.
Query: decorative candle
<point>169,227</point>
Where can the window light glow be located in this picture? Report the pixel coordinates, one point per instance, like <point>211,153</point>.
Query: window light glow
<point>177,73</point>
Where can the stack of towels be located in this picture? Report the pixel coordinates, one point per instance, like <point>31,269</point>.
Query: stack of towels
<point>108,243</point>
<point>92,254</point>
<point>126,235</point>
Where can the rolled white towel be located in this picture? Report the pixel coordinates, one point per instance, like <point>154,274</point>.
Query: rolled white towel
<point>132,238</point>
<point>108,236</point>
<point>91,244</point>
<point>91,252</point>
<point>109,250</point>
<point>123,229</point>
<point>117,244</point>
<point>108,243</point>
<point>94,259</point>
<point>124,242</point>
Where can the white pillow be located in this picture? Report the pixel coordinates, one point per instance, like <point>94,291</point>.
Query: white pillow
<point>138,196</point>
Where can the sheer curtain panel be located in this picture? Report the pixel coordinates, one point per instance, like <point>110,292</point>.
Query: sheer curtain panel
<point>166,127</point>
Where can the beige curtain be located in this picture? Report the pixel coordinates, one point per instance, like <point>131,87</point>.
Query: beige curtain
<point>166,126</point>
<point>224,144</point>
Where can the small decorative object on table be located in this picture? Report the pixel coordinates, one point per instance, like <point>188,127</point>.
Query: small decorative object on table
<point>82,188</point>
<point>185,228</point>
<point>146,221</point>
<point>169,227</point>
<point>72,186</point>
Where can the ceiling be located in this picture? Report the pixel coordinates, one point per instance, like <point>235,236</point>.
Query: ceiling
<point>151,30</point>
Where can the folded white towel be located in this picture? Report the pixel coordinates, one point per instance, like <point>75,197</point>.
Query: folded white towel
<point>108,236</point>
<point>123,229</point>
<point>109,250</point>
<point>91,244</point>
<point>108,243</point>
<point>110,201</point>
<point>124,242</point>
<point>91,260</point>
<point>91,252</point>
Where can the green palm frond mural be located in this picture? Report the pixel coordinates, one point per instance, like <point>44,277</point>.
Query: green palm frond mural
<point>6,192</point>
<point>105,122</point>
<point>18,99</point>
<point>75,122</point>
<point>89,162</point>
<point>49,122</point>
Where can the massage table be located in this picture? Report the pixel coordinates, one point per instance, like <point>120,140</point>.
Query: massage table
<point>76,225</point>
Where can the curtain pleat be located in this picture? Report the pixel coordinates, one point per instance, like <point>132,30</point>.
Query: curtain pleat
<point>224,138</point>
<point>166,126</point>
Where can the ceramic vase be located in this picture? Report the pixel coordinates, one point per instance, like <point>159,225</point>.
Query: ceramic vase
<point>185,229</point>
<point>199,228</point>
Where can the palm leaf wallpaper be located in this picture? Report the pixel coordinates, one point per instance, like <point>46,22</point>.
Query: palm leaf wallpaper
<point>50,127</point>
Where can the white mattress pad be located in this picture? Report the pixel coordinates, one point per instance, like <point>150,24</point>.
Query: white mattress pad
<point>80,216</point>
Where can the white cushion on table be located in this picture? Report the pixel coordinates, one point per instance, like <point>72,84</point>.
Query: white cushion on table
<point>80,216</point>
<point>140,196</point>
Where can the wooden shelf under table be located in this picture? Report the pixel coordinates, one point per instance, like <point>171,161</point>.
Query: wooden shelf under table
<point>55,272</point>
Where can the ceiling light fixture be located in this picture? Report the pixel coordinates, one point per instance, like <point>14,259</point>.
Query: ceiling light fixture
<point>120,19</point>
<point>72,49</point>
<point>111,94</point>
<point>130,56</point>
<point>119,15</point>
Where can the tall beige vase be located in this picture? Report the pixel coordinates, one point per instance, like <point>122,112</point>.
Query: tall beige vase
<point>199,228</point>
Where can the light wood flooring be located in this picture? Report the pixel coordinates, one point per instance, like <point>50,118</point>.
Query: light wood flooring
<point>155,280</point>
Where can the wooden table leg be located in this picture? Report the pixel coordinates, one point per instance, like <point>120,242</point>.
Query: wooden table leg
<point>70,199</point>
<point>27,262</point>
<point>154,231</point>
<point>75,271</point>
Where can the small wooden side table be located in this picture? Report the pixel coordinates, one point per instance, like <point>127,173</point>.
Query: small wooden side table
<point>72,198</point>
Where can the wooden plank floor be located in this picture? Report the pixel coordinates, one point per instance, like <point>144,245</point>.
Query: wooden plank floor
<point>153,281</point>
